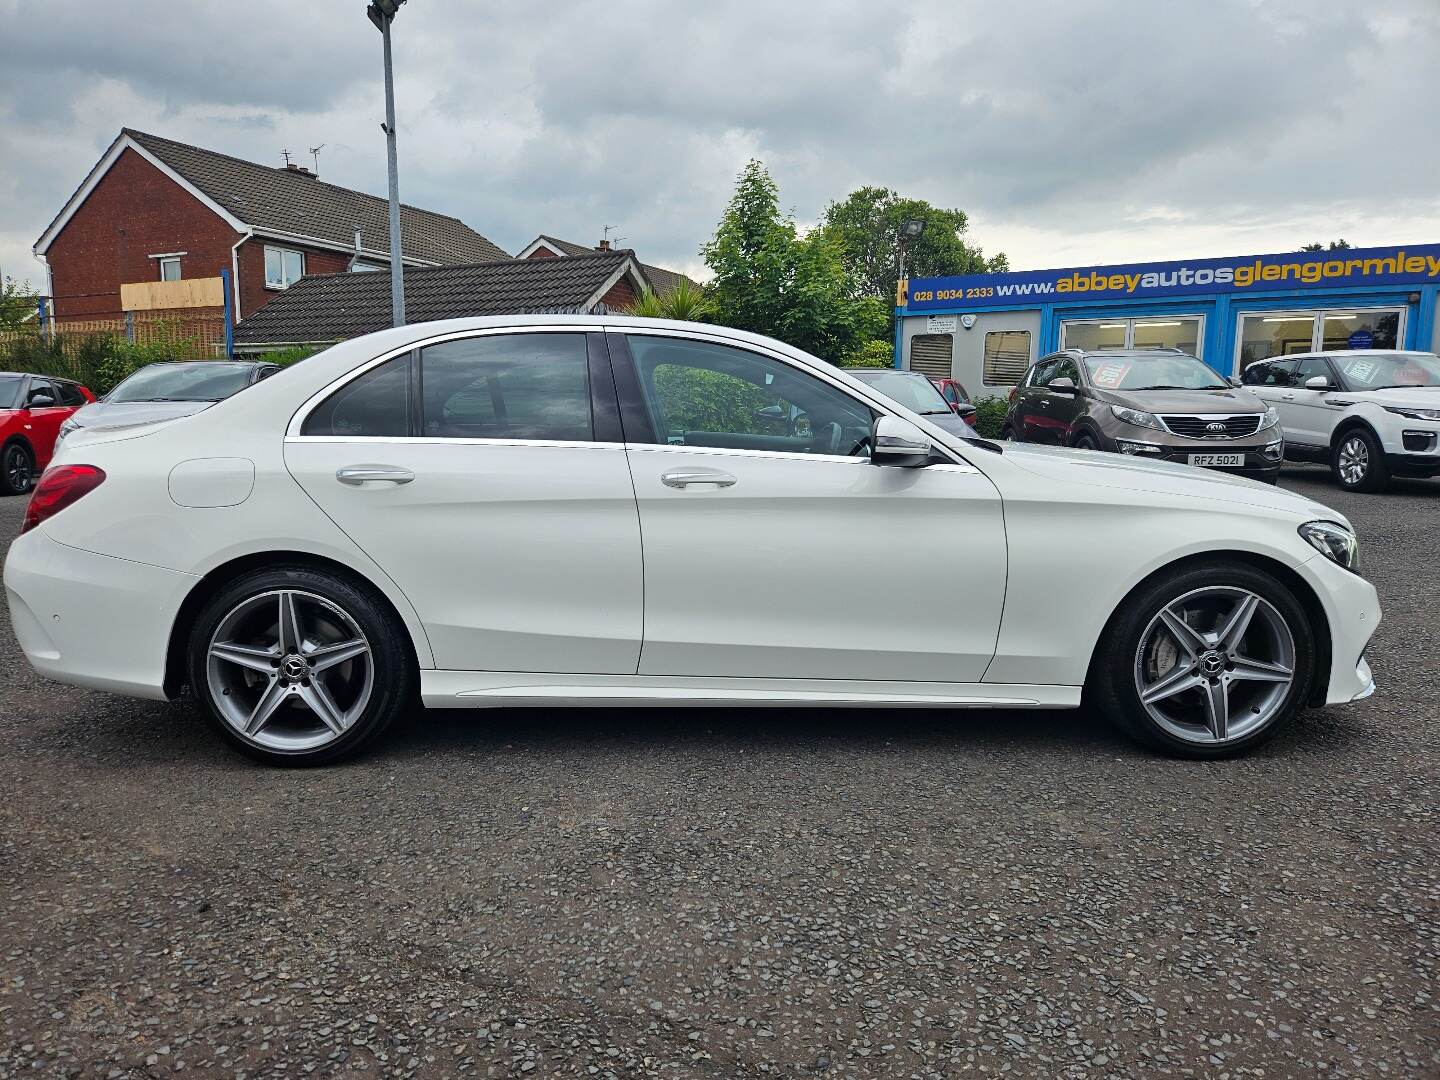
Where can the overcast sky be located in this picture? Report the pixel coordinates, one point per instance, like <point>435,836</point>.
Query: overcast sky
<point>1079,132</point>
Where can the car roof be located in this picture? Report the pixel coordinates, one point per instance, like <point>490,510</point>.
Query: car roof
<point>37,375</point>
<point>1345,352</point>
<point>885,370</point>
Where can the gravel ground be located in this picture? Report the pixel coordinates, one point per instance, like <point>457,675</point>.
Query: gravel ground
<point>734,893</point>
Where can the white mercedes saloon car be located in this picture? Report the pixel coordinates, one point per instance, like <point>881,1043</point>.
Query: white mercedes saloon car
<point>566,511</point>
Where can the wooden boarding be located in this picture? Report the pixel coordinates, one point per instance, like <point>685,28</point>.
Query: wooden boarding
<point>185,293</point>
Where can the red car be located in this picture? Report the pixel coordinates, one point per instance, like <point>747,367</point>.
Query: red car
<point>32,408</point>
<point>952,391</point>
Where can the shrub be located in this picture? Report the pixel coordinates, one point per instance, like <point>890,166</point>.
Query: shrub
<point>294,354</point>
<point>990,415</point>
<point>870,354</point>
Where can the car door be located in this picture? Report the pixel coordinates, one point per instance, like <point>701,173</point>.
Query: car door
<point>1271,381</point>
<point>1308,412</point>
<point>1060,410</point>
<point>46,413</point>
<point>1031,404</point>
<point>480,475</point>
<point>784,554</point>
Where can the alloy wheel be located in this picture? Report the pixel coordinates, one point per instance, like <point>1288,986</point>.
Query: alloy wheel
<point>1215,665</point>
<point>1354,460</point>
<point>18,471</point>
<point>289,670</point>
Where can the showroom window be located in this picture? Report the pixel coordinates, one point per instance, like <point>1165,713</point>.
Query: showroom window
<point>507,386</point>
<point>1282,333</point>
<point>931,354</point>
<point>1007,357</point>
<point>375,404</point>
<point>283,267</point>
<point>702,394</point>
<point>1161,332</point>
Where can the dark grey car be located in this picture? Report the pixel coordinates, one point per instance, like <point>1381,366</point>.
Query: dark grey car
<point>1156,403</point>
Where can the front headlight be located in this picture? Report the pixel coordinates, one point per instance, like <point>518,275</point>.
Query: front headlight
<point>1270,419</point>
<point>1414,414</point>
<point>1136,417</point>
<point>68,426</point>
<point>1334,541</point>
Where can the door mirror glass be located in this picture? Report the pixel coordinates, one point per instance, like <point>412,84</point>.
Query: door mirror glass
<point>41,399</point>
<point>900,443</point>
<point>1061,385</point>
<point>1317,382</point>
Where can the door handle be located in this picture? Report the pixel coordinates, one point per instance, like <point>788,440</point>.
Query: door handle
<point>1044,403</point>
<point>355,475</point>
<point>684,478</point>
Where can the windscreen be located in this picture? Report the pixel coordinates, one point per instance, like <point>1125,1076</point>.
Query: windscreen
<point>915,392</point>
<point>198,381</point>
<point>1375,371</point>
<point>1151,371</point>
<point>10,391</point>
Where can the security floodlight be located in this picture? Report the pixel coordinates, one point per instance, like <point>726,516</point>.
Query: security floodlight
<point>382,11</point>
<point>912,228</point>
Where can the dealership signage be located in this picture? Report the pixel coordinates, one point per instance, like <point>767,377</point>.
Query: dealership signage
<point>1353,268</point>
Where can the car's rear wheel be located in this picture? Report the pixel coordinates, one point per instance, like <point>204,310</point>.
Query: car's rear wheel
<point>17,469</point>
<point>1207,662</point>
<point>1358,462</point>
<point>297,666</point>
<point>1085,442</point>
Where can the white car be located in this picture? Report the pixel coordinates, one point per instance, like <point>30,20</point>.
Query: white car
<point>559,510</point>
<point>1370,414</point>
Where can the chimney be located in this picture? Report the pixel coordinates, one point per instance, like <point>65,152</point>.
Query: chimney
<point>300,170</point>
<point>604,245</point>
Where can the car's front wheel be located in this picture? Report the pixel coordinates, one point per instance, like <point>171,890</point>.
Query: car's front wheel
<point>297,666</point>
<point>17,469</point>
<point>1206,662</point>
<point>1358,462</point>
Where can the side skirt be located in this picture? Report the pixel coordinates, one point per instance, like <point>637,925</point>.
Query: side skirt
<point>492,689</point>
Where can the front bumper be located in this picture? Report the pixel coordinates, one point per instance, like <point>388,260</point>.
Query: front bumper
<point>1260,461</point>
<point>1352,609</point>
<point>1415,466</point>
<point>92,620</point>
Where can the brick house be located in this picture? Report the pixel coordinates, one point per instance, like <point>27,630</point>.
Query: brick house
<point>550,247</point>
<point>156,220</point>
<point>325,309</point>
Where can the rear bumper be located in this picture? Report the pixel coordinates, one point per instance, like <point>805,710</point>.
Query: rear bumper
<point>92,620</point>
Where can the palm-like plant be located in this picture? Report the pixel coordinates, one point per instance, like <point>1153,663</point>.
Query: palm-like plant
<point>687,302</point>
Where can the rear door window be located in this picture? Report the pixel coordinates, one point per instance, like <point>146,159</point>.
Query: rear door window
<point>507,386</point>
<point>373,405</point>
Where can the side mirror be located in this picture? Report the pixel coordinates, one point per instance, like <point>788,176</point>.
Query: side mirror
<point>964,409</point>
<point>900,443</point>
<point>1233,381</point>
<point>1317,382</point>
<point>1063,385</point>
<point>41,401</point>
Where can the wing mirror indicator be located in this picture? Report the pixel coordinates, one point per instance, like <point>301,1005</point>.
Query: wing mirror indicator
<point>900,443</point>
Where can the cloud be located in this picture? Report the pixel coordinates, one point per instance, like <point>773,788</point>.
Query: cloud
<point>1091,131</point>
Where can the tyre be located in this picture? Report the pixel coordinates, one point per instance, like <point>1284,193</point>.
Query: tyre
<point>17,469</point>
<point>1358,462</point>
<point>1007,433</point>
<point>297,666</point>
<point>1207,662</point>
<point>1085,441</point>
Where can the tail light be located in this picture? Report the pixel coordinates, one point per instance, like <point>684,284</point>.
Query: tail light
<point>58,488</point>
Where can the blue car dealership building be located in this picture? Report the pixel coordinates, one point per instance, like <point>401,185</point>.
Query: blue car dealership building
<point>986,329</point>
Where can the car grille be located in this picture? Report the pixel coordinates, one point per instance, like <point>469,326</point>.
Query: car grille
<point>1214,427</point>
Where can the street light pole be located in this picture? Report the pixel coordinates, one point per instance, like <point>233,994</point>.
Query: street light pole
<point>382,14</point>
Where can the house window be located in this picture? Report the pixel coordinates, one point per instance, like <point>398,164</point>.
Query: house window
<point>283,267</point>
<point>931,354</point>
<point>170,268</point>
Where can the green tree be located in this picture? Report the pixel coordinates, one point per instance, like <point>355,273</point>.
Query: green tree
<point>770,280</point>
<point>17,304</point>
<point>866,226</point>
<point>1334,245</point>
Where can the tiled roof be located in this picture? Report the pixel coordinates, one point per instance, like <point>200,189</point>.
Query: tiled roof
<point>332,307</point>
<point>277,199</point>
<point>661,280</point>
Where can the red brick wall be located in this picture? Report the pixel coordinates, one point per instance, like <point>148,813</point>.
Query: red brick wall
<point>543,253</point>
<point>135,211</point>
<point>253,293</point>
<point>620,296</point>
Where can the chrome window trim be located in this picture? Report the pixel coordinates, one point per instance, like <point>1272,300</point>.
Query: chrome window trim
<point>297,422</point>
<point>436,440</point>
